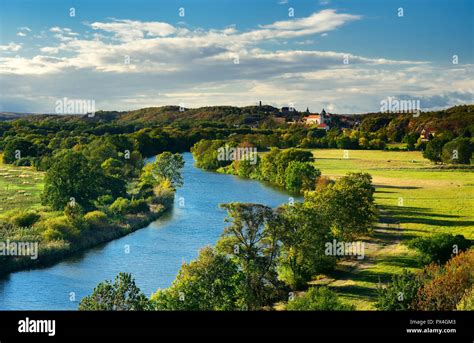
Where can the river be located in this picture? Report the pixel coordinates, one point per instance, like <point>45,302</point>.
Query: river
<point>153,254</point>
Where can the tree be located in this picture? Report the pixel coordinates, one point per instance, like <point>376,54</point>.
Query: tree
<point>18,148</point>
<point>301,176</point>
<point>70,176</point>
<point>434,148</point>
<point>459,150</point>
<point>211,282</point>
<point>166,166</point>
<point>252,240</point>
<point>122,295</point>
<point>304,234</point>
<point>347,205</point>
<point>318,299</point>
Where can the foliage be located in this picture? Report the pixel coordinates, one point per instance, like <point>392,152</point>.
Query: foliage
<point>122,295</point>
<point>438,248</point>
<point>400,294</point>
<point>25,219</point>
<point>96,219</point>
<point>458,150</point>
<point>467,301</point>
<point>445,285</point>
<point>252,241</point>
<point>211,282</point>
<point>304,234</point>
<point>300,176</point>
<point>348,205</point>
<point>318,299</point>
<point>71,177</point>
<point>166,166</point>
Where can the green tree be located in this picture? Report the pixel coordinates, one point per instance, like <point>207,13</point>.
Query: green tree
<point>304,234</point>
<point>70,177</point>
<point>347,205</point>
<point>211,282</point>
<point>434,149</point>
<point>252,240</point>
<point>166,166</point>
<point>301,176</point>
<point>122,295</point>
<point>459,150</point>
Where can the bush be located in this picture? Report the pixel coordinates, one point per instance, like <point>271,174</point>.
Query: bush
<point>120,206</point>
<point>97,219</point>
<point>400,294</point>
<point>467,301</point>
<point>438,248</point>
<point>318,299</point>
<point>25,219</point>
<point>164,193</point>
<point>58,228</point>
<point>138,206</point>
<point>445,286</point>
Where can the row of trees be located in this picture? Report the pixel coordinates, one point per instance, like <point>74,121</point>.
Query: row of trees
<point>266,254</point>
<point>291,169</point>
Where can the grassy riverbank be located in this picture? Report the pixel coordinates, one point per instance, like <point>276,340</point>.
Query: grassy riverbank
<point>415,198</point>
<point>20,203</point>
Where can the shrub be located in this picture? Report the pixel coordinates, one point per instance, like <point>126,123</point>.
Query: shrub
<point>445,286</point>
<point>97,219</point>
<point>25,219</point>
<point>318,299</point>
<point>438,248</point>
<point>400,294</point>
<point>467,301</point>
<point>138,206</point>
<point>120,206</point>
<point>164,193</point>
<point>58,228</point>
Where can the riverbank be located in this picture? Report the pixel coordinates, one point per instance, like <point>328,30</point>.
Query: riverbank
<point>51,255</point>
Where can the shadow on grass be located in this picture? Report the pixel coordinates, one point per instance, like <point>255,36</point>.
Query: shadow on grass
<point>419,215</point>
<point>395,187</point>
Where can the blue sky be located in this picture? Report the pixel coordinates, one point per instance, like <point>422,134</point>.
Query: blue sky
<point>45,54</point>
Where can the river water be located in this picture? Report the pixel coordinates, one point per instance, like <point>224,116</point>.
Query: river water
<point>153,254</point>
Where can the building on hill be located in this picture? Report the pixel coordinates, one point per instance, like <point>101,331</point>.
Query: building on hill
<point>426,134</point>
<point>321,121</point>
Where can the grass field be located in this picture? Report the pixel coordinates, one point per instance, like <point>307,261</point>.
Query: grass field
<point>415,198</point>
<point>20,188</point>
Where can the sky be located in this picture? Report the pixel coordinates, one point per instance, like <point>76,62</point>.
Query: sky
<point>344,56</point>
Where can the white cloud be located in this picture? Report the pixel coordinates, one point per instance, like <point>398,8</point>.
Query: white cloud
<point>172,64</point>
<point>10,47</point>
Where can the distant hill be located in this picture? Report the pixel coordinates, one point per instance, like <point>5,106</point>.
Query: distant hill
<point>454,119</point>
<point>12,115</point>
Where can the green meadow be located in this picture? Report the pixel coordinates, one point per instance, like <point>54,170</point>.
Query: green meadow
<point>414,197</point>
<point>20,188</point>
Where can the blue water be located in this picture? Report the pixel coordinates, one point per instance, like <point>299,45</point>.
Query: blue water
<point>155,252</point>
